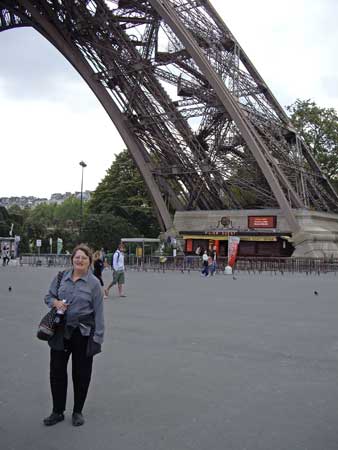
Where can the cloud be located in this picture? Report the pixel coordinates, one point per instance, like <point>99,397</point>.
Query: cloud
<point>330,86</point>
<point>292,44</point>
<point>51,120</point>
<point>39,71</point>
<point>43,142</point>
<point>30,65</point>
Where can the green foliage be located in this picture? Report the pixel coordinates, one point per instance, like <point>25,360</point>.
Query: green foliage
<point>5,223</point>
<point>106,230</point>
<point>319,128</point>
<point>120,207</point>
<point>69,210</point>
<point>46,221</point>
<point>248,198</point>
<point>43,214</point>
<point>4,216</point>
<point>18,217</point>
<point>123,195</point>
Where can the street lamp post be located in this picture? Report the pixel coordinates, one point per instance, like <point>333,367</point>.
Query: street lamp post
<point>83,165</point>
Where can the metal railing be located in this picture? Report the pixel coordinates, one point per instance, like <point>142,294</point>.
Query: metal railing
<point>293,265</point>
<point>44,260</point>
<point>194,263</point>
<point>253,264</point>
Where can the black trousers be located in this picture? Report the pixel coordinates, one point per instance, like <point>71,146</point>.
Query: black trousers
<point>99,277</point>
<point>81,372</point>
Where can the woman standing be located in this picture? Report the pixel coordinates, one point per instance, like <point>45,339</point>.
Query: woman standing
<point>80,334</point>
<point>98,266</point>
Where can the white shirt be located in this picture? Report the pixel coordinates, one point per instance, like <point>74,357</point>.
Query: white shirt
<point>118,261</point>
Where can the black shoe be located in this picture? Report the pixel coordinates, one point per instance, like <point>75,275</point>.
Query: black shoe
<point>77,419</point>
<point>53,419</point>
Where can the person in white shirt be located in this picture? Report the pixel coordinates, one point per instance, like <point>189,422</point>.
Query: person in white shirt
<point>205,270</point>
<point>118,272</point>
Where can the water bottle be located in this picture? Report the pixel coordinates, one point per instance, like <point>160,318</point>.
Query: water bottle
<point>59,314</point>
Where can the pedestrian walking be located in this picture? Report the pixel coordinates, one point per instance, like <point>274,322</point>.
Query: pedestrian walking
<point>79,334</point>
<point>118,272</point>
<point>213,256</point>
<point>98,266</point>
<point>5,256</point>
<point>205,269</point>
<point>102,254</point>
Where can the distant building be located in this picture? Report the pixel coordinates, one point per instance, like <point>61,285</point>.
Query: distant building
<point>31,201</point>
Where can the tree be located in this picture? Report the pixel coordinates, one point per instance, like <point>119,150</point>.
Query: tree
<point>18,217</point>
<point>43,222</point>
<point>319,129</point>
<point>5,224</point>
<point>122,194</point>
<point>36,230</point>
<point>69,210</point>
<point>106,230</point>
<point>43,214</point>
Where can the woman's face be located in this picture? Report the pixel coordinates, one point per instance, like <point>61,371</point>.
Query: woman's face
<point>81,261</point>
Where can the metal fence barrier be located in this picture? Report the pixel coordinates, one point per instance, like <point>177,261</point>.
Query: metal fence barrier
<point>45,260</point>
<point>194,263</point>
<point>293,265</point>
<point>257,264</point>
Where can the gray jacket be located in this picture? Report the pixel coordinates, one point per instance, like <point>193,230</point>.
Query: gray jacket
<point>84,297</point>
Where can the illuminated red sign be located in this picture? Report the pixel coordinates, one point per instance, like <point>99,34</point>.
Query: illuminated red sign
<point>262,221</point>
<point>189,245</point>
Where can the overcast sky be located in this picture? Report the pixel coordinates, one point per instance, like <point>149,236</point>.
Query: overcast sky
<point>50,120</point>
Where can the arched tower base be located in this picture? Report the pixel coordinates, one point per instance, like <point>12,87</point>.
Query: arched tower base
<point>317,237</point>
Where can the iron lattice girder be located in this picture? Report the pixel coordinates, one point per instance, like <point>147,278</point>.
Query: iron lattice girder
<point>10,19</point>
<point>198,112</point>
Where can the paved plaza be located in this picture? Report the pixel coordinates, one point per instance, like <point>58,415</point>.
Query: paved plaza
<point>188,364</point>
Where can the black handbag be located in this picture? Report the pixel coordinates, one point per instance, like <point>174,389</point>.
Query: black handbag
<point>93,348</point>
<point>47,325</point>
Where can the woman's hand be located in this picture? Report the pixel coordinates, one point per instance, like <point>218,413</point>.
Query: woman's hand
<point>60,305</point>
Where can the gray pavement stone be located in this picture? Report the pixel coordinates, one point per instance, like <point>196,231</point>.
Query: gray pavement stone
<point>188,364</point>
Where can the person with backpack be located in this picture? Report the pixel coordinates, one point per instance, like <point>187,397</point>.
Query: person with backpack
<point>118,272</point>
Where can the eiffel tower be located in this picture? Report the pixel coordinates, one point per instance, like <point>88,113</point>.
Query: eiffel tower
<point>200,123</point>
